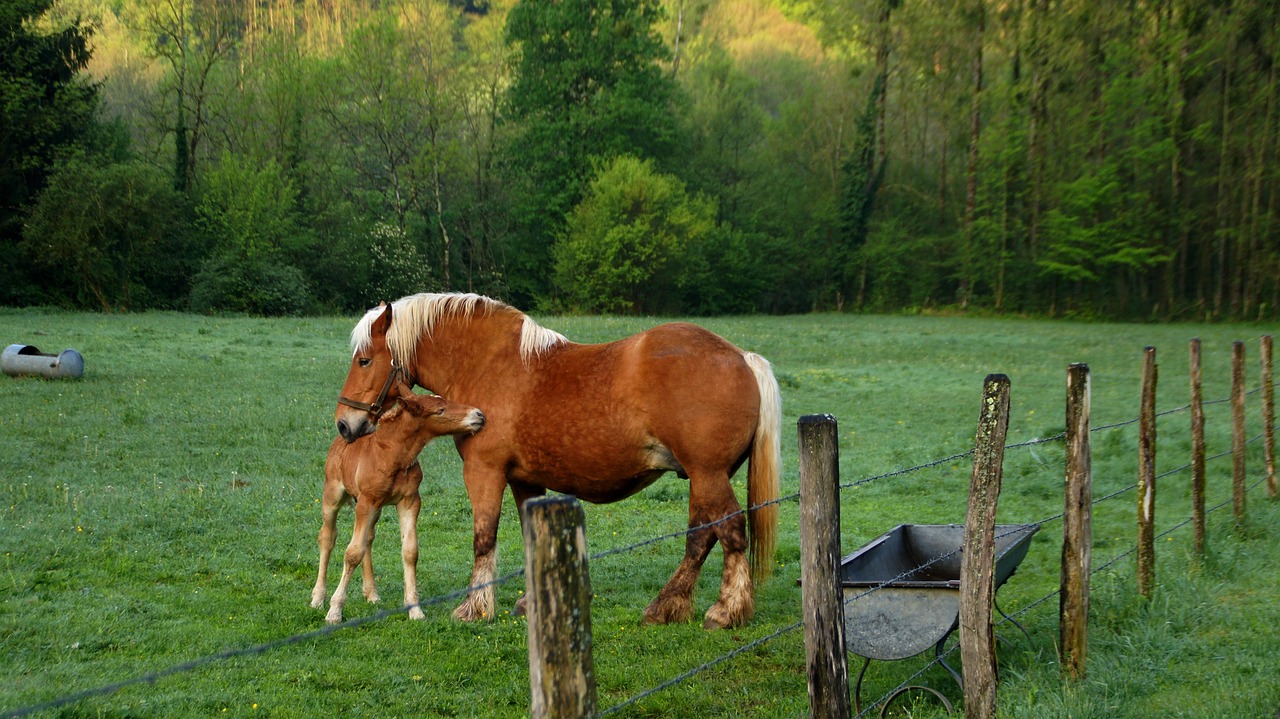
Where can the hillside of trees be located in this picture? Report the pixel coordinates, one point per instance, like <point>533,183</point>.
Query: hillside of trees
<point>1047,157</point>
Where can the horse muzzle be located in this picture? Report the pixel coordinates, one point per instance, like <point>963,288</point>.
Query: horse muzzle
<point>351,430</point>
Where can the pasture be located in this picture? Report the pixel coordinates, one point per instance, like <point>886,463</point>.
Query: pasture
<point>164,509</point>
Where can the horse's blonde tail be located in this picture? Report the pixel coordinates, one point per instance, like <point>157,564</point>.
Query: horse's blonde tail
<point>763,469</point>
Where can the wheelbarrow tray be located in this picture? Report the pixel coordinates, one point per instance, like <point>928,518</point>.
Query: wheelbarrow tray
<point>902,589</point>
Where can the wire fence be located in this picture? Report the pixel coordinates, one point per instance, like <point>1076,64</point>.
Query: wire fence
<point>259,649</point>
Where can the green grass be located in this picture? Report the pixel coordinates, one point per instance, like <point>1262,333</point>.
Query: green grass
<point>164,508</point>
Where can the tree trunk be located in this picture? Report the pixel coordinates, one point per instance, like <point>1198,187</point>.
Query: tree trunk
<point>975,137</point>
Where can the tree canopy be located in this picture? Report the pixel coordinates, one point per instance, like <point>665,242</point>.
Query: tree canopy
<point>662,156</point>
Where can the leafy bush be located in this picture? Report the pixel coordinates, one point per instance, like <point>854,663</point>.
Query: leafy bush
<point>232,283</point>
<point>399,268</point>
<point>112,234</point>
<point>625,245</point>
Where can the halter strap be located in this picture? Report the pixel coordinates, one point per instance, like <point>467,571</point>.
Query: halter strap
<point>397,372</point>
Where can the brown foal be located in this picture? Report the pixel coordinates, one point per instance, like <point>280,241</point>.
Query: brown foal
<point>378,470</point>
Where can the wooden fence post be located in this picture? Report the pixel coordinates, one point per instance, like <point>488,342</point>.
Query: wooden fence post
<point>1077,528</point>
<point>1237,432</point>
<point>1147,475</point>
<point>821,596</point>
<point>1268,418</point>
<point>1197,451</point>
<point>977,565</point>
<point>561,672</point>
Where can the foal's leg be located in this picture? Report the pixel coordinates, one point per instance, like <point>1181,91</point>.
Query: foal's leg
<point>366,565</point>
<point>407,509</point>
<point>331,502</point>
<point>674,603</point>
<point>356,551</point>
<point>485,489</point>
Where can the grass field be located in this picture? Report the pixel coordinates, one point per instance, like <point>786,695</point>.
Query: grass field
<point>164,509</point>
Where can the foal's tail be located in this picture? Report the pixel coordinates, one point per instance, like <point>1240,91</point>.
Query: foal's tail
<point>762,472</point>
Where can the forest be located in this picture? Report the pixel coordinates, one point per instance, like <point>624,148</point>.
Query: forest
<point>1057,158</point>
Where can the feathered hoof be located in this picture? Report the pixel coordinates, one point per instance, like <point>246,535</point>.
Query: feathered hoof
<point>473,610</point>
<point>724,616</point>
<point>668,611</point>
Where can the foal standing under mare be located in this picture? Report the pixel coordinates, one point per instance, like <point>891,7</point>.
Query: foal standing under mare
<point>376,471</point>
<point>599,422</point>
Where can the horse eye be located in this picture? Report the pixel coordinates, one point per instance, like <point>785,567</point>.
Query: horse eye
<point>365,361</point>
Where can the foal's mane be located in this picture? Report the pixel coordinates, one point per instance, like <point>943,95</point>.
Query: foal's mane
<point>416,315</point>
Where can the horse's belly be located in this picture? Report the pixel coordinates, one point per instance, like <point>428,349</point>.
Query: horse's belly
<point>607,479</point>
<point>605,491</point>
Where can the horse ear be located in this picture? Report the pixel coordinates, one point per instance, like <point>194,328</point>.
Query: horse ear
<point>383,323</point>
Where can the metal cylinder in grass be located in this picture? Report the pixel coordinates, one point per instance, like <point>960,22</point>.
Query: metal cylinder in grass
<point>20,360</point>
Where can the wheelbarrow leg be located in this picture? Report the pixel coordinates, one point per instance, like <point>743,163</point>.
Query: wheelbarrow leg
<point>857,687</point>
<point>1011,619</point>
<point>937,650</point>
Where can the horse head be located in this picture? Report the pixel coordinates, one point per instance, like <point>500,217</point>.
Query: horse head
<point>373,381</point>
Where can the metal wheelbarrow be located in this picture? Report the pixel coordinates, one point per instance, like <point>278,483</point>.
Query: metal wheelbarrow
<point>902,593</point>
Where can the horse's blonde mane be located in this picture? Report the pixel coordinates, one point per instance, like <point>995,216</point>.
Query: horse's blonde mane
<point>416,315</point>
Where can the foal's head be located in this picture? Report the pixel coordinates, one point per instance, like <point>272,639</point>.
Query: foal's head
<point>374,381</point>
<point>429,416</point>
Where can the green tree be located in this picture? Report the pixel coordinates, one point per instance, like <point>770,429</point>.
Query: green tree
<point>249,216</point>
<point>624,247</point>
<point>113,232</point>
<point>47,111</point>
<point>587,88</point>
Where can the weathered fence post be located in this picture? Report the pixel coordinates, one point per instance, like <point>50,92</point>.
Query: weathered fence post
<point>977,565</point>
<point>1147,475</point>
<point>1197,451</point>
<point>1077,528</point>
<point>1268,418</point>
<point>822,600</point>
<point>561,672</point>
<point>1237,432</point>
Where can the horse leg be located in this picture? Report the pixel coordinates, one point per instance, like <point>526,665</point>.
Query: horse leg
<point>407,509</point>
<point>522,493</point>
<point>485,491</point>
<point>736,604</point>
<point>674,602</point>
<point>330,504</point>
<point>356,552</point>
<point>366,565</point>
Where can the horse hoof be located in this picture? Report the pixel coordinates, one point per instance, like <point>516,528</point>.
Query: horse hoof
<point>416,613</point>
<point>468,613</point>
<point>333,617</point>
<point>667,612</point>
<point>522,607</point>
<point>373,598</point>
<point>719,617</point>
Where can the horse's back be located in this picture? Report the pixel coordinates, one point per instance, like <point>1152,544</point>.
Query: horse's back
<point>674,390</point>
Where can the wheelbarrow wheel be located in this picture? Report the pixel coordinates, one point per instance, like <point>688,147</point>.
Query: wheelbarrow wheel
<point>884,710</point>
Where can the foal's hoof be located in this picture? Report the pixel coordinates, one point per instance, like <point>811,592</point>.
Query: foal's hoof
<point>333,617</point>
<point>522,606</point>
<point>416,613</point>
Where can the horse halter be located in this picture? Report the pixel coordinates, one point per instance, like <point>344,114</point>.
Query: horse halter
<point>375,410</point>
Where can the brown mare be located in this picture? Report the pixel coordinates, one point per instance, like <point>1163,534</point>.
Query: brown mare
<point>599,421</point>
<point>376,471</point>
